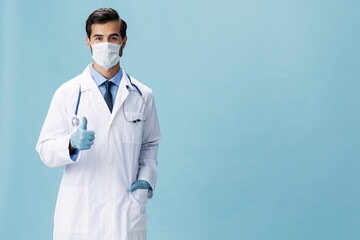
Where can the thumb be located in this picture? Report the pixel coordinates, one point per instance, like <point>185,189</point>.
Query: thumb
<point>83,123</point>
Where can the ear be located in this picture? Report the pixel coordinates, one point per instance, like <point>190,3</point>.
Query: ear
<point>88,43</point>
<point>124,42</point>
<point>123,46</point>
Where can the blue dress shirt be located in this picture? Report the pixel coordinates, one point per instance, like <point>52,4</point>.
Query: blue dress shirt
<point>99,80</point>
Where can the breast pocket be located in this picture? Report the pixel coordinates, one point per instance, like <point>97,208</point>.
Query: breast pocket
<point>132,128</point>
<point>71,212</point>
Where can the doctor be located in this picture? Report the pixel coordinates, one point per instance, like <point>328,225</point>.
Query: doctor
<point>103,127</point>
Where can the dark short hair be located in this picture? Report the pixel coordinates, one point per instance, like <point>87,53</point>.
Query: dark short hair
<point>104,15</point>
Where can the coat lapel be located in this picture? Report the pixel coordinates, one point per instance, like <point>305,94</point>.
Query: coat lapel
<point>121,94</point>
<point>94,96</point>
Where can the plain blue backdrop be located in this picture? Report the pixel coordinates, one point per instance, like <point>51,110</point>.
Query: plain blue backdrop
<point>258,103</point>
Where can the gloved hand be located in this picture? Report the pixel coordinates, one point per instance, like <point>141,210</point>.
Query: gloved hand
<point>140,184</point>
<point>82,139</point>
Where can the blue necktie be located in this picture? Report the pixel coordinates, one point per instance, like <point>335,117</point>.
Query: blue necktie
<point>108,96</point>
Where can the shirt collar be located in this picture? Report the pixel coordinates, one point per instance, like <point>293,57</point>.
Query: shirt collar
<point>100,79</point>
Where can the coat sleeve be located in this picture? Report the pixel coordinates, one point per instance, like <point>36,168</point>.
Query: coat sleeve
<point>53,143</point>
<point>149,147</point>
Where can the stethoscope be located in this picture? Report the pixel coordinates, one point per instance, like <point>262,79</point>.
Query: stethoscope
<point>75,119</point>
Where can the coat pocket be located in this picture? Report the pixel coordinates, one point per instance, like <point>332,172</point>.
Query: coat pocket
<point>137,211</point>
<point>132,129</point>
<point>72,209</point>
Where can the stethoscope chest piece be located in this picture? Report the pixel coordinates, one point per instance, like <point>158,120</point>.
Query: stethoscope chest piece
<point>75,121</point>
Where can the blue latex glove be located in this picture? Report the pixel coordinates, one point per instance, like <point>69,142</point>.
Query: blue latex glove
<point>140,184</point>
<point>82,139</point>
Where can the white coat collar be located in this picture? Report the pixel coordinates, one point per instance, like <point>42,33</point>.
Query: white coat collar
<point>87,82</point>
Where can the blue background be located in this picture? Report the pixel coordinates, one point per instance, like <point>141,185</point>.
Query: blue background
<point>258,103</point>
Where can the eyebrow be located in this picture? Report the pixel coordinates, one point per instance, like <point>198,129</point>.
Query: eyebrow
<point>100,35</point>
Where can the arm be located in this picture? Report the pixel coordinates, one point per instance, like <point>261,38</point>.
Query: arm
<point>53,144</point>
<point>149,147</point>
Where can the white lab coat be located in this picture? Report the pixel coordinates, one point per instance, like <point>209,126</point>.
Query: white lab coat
<point>93,202</point>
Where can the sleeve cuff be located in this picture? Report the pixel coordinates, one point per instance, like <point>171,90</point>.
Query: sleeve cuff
<point>144,175</point>
<point>74,154</point>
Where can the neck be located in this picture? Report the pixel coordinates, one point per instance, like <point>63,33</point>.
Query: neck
<point>108,73</point>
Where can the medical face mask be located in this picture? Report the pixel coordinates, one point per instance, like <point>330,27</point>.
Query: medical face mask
<point>106,54</point>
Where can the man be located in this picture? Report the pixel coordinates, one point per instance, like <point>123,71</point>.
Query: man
<point>102,126</point>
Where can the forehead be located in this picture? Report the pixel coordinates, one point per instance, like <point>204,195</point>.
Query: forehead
<point>105,28</point>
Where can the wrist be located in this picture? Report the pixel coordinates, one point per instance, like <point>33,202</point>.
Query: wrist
<point>71,147</point>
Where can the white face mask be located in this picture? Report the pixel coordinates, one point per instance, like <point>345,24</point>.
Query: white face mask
<point>106,54</point>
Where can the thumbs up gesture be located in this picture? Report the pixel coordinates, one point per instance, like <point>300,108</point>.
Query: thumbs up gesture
<point>82,139</point>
